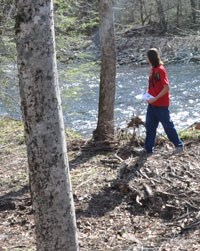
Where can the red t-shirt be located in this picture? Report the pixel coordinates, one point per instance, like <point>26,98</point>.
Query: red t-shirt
<point>157,80</point>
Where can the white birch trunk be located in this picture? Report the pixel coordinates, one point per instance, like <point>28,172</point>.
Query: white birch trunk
<point>44,129</point>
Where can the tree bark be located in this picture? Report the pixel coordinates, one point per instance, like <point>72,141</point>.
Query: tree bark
<point>44,128</point>
<point>178,12</point>
<point>162,24</point>
<point>142,11</point>
<point>105,125</point>
<point>193,4</point>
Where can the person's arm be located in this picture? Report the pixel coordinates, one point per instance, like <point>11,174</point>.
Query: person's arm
<point>162,93</point>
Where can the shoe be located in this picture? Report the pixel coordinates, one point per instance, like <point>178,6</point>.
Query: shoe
<point>178,149</point>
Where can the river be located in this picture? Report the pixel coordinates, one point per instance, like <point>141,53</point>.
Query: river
<point>131,81</point>
<point>80,97</point>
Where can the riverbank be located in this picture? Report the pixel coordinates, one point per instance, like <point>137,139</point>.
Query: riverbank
<point>131,49</point>
<point>174,49</point>
<point>123,200</point>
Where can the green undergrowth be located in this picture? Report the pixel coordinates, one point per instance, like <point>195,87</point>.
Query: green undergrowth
<point>186,135</point>
<point>12,132</point>
<point>190,134</point>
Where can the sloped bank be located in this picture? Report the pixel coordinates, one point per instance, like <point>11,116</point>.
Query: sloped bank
<point>174,49</point>
<point>123,200</point>
<point>132,49</point>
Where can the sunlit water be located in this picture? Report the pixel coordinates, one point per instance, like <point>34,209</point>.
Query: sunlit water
<point>80,97</point>
<point>131,81</point>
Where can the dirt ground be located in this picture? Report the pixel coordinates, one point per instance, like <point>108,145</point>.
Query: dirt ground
<point>124,200</point>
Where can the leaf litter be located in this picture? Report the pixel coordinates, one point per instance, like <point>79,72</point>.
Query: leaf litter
<point>124,199</point>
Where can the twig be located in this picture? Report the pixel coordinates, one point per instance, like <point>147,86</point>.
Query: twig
<point>190,226</point>
<point>120,159</point>
<point>84,182</point>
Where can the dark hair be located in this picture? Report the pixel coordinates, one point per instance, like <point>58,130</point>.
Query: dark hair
<point>154,57</point>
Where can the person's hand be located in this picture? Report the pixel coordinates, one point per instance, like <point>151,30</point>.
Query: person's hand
<point>151,100</point>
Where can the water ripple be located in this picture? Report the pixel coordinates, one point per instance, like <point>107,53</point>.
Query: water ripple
<point>131,81</point>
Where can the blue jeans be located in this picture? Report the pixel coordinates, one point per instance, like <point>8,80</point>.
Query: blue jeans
<point>153,117</point>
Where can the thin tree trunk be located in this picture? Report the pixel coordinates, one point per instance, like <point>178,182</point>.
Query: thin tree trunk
<point>105,125</point>
<point>142,7</point>
<point>44,129</point>
<point>178,12</point>
<point>163,24</point>
<point>193,10</point>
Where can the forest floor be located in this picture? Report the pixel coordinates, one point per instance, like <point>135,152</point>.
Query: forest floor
<point>124,200</point>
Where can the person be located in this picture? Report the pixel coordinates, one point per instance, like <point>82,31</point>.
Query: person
<point>158,105</point>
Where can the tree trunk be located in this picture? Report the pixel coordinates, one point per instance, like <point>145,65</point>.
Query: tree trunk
<point>193,4</point>
<point>141,11</point>
<point>178,12</point>
<point>163,24</point>
<point>44,128</point>
<point>105,125</point>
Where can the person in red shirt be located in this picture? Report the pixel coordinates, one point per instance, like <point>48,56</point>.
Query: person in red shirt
<point>158,106</point>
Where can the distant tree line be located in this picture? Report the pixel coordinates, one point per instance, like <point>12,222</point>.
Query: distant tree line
<point>164,15</point>
<point>72,17</point>
<point>160,15</point>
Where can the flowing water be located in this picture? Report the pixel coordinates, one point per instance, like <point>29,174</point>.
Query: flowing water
<point>132,81</point>
<point>80,97</point>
